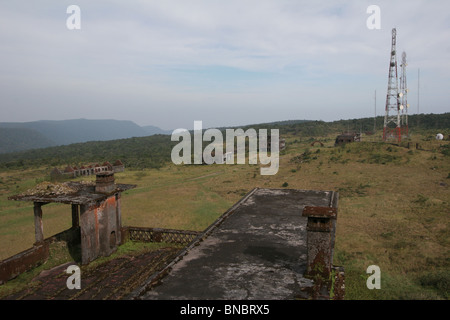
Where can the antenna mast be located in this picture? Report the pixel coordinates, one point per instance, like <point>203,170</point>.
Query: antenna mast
<point>375,114</point>
<point>418,95</point>
<point>392,115</point>
<point>404,106</point>
<point>418,89</point>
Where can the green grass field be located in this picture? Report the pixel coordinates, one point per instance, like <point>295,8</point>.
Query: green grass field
<point>394,207</point>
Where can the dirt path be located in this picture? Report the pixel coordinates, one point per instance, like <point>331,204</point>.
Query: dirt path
<point>206,175</point>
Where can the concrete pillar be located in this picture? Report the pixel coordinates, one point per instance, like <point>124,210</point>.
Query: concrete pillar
<point>89,233</point>
<point>75,216</point>
<point>38,226</point>
<point>100,228</point>
<point>118,220</point>
<point>320,240</point>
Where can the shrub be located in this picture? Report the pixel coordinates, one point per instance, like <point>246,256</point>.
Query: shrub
<point>445,150</point>
<point>439,281</point>
<point>382,158</point>
<point>421,199</point>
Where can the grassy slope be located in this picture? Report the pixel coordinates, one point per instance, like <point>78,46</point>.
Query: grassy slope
<point>393,209</point>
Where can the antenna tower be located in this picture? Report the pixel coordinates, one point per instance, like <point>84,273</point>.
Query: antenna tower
<point>392,123</point>
<point>375,114</point>
<point>404,106</point>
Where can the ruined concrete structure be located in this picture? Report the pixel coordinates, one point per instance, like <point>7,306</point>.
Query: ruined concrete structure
<point>96,212</point>
<point>321,228</point>
<point>347,138</point>
<point>274,244</point>
<point>87,170</point>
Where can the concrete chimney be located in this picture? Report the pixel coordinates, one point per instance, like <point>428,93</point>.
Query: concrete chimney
<point>320,240</point>
<point>104,182</point>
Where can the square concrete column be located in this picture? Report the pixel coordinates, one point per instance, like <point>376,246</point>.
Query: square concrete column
<point>118,220</point>
<point>38,226</point>
<point>320,240</point>
<point>75,216</point>
<point>89,233</point>
<point>99,228</point>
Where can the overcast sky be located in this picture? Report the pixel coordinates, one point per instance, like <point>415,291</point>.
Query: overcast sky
<point>225,62</point>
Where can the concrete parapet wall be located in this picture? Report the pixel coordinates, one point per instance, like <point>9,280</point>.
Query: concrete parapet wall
<point>30,258</point>
<point>142,234</point>
<point>23,261</point>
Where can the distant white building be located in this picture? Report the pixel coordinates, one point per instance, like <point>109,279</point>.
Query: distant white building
<point>227,158</point>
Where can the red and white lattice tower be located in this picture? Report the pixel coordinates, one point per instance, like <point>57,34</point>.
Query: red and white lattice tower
<point>392,120</point>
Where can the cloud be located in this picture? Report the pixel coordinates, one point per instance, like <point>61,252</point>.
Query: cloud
<point>168,61</point>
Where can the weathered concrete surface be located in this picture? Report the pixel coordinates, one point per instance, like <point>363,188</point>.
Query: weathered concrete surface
<point>100,228</point>
<point>257,252</point>
<point>23,261</point>
<point>112,280</point>
<point>83,193</point>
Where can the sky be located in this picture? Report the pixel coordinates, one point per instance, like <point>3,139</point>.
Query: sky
<point>169,63</point>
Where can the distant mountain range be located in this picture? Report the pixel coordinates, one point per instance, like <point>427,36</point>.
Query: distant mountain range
<point>151,130</point>
<point>20,136</point>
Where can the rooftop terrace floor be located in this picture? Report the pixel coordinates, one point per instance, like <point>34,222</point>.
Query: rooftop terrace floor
<point>257,251</point>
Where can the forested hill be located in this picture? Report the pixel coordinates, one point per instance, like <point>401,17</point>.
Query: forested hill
<point>140,152</point>
<point>154,151</point>
<point>19,136</point>
<point>18,139</point>
<point>321,128</point>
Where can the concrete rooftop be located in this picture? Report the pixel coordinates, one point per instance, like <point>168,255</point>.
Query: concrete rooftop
<point>256,250</point>
<point>69,193</point>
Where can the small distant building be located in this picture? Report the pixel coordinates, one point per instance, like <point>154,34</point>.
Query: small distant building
<point>347,138</point>
<point>86,170</point>
<point>226,157</point>
<point>118,166</point>
<point>108,165</point>
<point>281,143</point>
<point>56,174</point>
